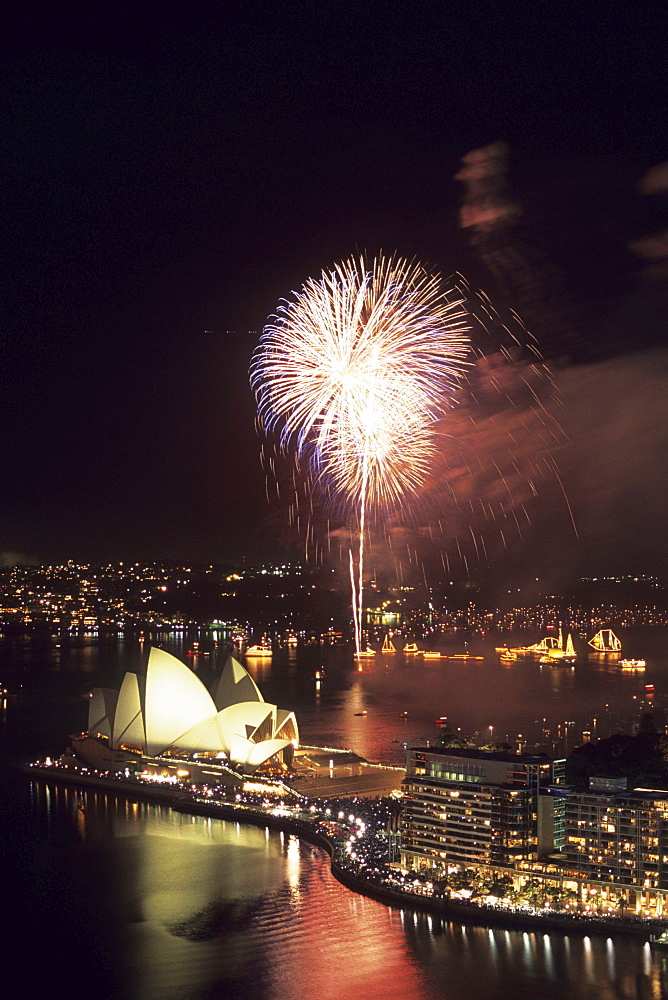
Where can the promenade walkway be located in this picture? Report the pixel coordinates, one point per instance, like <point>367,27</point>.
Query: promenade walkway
<point>332,833</point>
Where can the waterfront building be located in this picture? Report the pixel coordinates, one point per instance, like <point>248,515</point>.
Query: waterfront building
<point>618,840</point>
<point>476,807</point>
<point>605,850</point>
<point>169,714</point>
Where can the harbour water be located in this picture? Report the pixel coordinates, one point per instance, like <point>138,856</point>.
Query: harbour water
<point>133,901</point>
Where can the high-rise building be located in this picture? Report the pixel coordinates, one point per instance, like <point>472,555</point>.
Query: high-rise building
<point>603,849</point>
<point>478,807</point>
<point>618,837</point>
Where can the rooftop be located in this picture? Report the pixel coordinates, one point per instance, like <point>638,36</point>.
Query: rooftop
<point>503,756</point>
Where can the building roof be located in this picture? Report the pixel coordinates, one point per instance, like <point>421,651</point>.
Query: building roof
<point>503,756</point>
<point>171,708</point>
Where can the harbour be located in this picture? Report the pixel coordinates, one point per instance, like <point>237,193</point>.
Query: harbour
<point>418,944</point>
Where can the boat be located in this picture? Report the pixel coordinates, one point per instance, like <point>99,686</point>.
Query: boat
<point>659,940</point>
<point>461,656</point>
<point>365,654</point>
<point>556,661</point>
<point>544,646</point>
<point>508,657</point>
<point>431,656</point>
<point>561,653</point>
<point>516,651</point>
<point>259,652</point>
<point>633,664</point>
<point>404,715</point>
<point>412,649</point>
<point>360,713</point>
<point>605,641</point>
<point>388,646</point>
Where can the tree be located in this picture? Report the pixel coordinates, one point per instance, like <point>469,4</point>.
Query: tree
<point>462,879</point>
<point>448,738</point>
<point>641,759</point>
<point>533,890</point>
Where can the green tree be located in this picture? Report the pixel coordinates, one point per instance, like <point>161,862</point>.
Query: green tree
<point>448,738</point>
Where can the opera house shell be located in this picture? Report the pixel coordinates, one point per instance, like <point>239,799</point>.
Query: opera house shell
<point>170,712</point>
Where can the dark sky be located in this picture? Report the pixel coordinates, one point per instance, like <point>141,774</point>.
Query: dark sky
<point>169,171</point>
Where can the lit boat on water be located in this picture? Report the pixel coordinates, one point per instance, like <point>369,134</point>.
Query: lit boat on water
<point>365,654</point>
<point>431,656</point>
<point>508,657</point>
<point>388,646</point>
<point>544,646</point>
<point>517,651</point>
<point>259,652</point>
<point>560,654</point>
<point>605,641</point>
<point>412,649</point>
<point>539,649</point>
<point>633,664</point>
<point>461,656</point>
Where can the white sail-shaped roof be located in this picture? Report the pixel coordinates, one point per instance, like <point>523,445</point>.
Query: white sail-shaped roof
<point>244,719</point>
<point>171,707</point>
<point>286,725</point>
<point>128,718</point>
<point>239,748</point>
<point>204,736</point>
<point>175,701</point>
<point>235,684</point>
<point>261,752</point>
<point>101,709</point>
<point>251,755</point>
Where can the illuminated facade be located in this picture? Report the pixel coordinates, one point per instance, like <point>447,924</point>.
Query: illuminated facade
<point>169,712</point>
<point>619,838</point>
<point>475,807</point>
<point>605,849</point>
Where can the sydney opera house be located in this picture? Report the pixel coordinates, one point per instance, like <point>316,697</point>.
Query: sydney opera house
<point>168,722</point>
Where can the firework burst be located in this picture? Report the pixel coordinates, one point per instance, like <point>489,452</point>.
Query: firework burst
<point>353,373</point>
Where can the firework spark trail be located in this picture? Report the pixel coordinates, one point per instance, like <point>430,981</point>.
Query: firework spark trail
<point>356,365</point>
<point>502,439</point>
<point>353,372</point>
<point>360,558</point>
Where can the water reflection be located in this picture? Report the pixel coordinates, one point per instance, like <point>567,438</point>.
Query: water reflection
<point>157,904</point>
<point>208,908</point>
<point>44,670</point>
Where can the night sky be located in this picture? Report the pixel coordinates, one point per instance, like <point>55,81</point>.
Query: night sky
<point>170,171</point>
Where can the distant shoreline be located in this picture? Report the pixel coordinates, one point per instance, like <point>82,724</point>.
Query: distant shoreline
<point>447,909</point>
